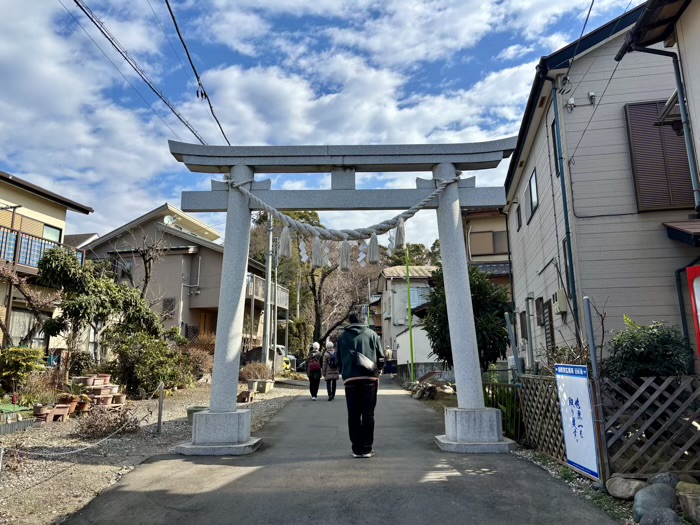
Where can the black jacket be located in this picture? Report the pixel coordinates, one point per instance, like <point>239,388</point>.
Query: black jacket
<point>358,338</point>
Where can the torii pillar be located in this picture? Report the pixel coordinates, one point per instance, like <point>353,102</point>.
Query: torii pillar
<point>225,430</point>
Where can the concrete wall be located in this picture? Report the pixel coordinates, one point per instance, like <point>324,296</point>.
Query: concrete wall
<point>421,347</point>
<point>395,303</point>
<point>623,259</point>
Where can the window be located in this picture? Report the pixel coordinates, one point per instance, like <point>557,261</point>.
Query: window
<point>168,307</point>
<point>488,243</point>
<point>555,154</point>
<point>419,296</point>
<point>518,217</point>
<point>659,160</point>
<point>52,233</point>
<point>532,195</point>
<point>123,268</point>
<point>548,323</point>
<point>523,325</point>
<point>539,302</point>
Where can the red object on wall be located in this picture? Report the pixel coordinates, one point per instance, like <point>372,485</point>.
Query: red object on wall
<point>693,274</point>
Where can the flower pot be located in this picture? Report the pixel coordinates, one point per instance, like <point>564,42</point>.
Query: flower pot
<point>191,411</point>
<point>253,385</point>
<point>41,410</point>
<point>87,381</point>
<point>99,381</point>
<point>105,399</point>
<point>115,389</point>
<point>119,399</point>
<point>105,377</point>
<point>82,407</point>
<point>265,385</point>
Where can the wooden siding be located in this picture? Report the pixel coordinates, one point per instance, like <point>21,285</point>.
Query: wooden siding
<point>623,260</point>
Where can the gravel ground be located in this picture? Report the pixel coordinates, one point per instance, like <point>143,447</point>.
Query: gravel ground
<point>42,490</point>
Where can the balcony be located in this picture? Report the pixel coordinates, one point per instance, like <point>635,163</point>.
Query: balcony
<point>255,288</point>
<point>26,250</point>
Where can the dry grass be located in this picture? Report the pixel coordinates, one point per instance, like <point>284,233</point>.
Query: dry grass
<point>101,422</point>
<point>253,371</point>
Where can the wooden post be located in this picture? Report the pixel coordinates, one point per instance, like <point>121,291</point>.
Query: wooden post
<point>160,407</point>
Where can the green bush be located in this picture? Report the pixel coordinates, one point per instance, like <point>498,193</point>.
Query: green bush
<point>82,363</point>
<point>142,361</point>
<point>16,364</point>
<point>646,351</point>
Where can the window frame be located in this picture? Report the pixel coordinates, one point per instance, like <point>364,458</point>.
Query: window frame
<point>532,209</point>
<point>51,227</point>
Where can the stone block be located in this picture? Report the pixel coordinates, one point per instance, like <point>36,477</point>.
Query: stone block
<point>622,488</point>
<point>690,503</point>
<point>474,431</point>
<point>667,478</point>
<point>660,517</point>
<point>221,427</point>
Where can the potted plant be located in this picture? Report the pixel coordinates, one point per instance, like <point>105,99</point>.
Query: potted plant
<point>119,399</point>
<point>258,375</point>
<point>83,404</point>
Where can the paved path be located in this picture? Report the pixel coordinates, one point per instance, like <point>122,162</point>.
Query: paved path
<point>304,474</point>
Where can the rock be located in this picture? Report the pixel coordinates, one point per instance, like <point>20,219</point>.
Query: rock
<point>690,503</point>
<point>622,488</point>
<point>657,496</point>
<point>660,517</point>
<point>599,487</point>
<point>668,478</point>
<point>688,488</point>
<point>688,478</point>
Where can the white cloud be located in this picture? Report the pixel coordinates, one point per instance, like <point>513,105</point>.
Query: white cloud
<point>513,52</point>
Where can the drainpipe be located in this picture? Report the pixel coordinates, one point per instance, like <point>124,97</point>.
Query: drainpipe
<point>528,322</point>
<point>681,302</point>
<point>565,206</point>
<point>510,261</point>
<point>692,161</point>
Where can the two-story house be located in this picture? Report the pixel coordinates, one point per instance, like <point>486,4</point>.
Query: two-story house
<point>589,187</point>
<point>185,275</point>
<point>486,240</point>
<point>393,287</point>
<point>676,24</point>
<point>32,221</point>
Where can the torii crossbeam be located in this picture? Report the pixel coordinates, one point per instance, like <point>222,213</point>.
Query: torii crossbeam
<point>225,430</point>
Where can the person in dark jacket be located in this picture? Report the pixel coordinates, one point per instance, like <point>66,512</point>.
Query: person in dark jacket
<point>360,356</point>
<point>313,370</point>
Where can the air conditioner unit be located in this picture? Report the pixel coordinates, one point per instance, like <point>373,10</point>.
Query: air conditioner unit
<point>559,302</point>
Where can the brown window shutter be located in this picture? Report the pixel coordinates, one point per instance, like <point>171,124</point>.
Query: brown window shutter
<point>659,160</point>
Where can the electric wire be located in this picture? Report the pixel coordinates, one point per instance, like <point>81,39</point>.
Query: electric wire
<point>162,27</point>
<point>135,66</point>
<point>126,79</point>
<point>201,90</point>
<point>578,42</point>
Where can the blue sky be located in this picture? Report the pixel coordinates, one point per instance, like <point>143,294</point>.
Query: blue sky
<point>278,72</point>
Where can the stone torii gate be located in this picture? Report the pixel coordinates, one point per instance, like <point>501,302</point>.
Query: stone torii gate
<point>225,430</point>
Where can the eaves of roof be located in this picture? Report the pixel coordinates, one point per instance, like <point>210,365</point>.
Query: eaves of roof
<point>558,60</point>
<point>41,192</point>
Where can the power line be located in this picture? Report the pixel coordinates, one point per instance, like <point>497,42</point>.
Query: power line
<point>177,55</point>
<point>612,32</point>
<point>119,71</point>
<point>201,91</point>
<point>585,23</point>
<point>135,66</point>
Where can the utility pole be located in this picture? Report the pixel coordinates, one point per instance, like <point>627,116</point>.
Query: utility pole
<point>268,289</point>
<point>274,313</point>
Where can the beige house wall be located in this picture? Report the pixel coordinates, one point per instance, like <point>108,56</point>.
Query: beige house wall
<point>688,33</point>
<point>623,259</point>
<point>33,206</point>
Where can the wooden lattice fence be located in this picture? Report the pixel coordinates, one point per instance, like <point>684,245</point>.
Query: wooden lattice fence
<point>652,424</point>
<point>542,415</point>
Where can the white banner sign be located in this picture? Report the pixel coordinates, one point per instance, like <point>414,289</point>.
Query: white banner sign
<point>577,418</point>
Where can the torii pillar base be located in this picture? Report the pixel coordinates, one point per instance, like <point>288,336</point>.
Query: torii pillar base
<point>474,431</point>
<point>220,434</point>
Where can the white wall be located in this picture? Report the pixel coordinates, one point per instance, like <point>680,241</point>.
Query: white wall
<point>688,32</point>
<point>421,347</point>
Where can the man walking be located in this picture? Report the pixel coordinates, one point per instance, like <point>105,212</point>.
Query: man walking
<point>359,360</point>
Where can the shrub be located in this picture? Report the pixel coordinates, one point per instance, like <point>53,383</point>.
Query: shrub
<point>255,370</point>
<point>102,422</point>
<point>200,352</point>
<point>646,351</point>
<point>16,365</point>
<point>38,388</point>
<point>142,361</point>
<point>82,363</point>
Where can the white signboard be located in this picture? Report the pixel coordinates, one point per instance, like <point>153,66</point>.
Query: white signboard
<point>577,418</point>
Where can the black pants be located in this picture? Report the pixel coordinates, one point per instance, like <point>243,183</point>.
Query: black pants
<point>361,398</point>
<point>330,386</point>
<point>314,382</point>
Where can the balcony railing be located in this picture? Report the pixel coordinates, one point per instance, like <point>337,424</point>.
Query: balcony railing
<point>27,250</point>
<point>255,288</point>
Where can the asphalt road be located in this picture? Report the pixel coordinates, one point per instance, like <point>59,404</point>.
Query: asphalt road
<point>303,473</point>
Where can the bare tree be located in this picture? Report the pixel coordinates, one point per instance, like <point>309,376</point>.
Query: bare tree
<point>40,303</point>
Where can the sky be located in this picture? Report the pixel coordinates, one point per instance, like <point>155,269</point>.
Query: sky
<point>278,72</point>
